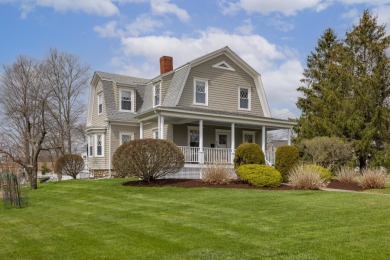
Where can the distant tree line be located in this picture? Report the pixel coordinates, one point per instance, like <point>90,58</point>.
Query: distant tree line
<point>42,108</point>
<point>346,91</point>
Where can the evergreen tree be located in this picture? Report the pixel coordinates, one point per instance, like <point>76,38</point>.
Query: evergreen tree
<point>346,92</point>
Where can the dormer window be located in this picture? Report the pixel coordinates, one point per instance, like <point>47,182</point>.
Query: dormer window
<point>100,103</point>
<point>157,94</point>
<point>127,100</point>
<point>200,91</point>
<point>244,98</point>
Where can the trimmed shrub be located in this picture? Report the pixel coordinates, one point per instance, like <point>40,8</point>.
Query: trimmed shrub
<point>217,174</point>
<point>69,164</point>
<point>248,153</point>
<point>325,174</point>
<point>148,159</point>
<point>346,174</point>
<point>308,178</point>
<point>286,158</point>
<point>259,175</point>
<point>374,178</point>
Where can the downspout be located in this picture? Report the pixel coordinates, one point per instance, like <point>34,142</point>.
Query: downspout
<point>109,150</point>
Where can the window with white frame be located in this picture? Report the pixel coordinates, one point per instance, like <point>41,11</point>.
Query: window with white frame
<point>200,91</point>
<point>157,94</point>
<point>155,134</point>
<point>100,103</point>
<point>96,145</point>
<point>126,137</point>
<point>126,100</point>
<point>90,145</point>
<point>248,136</point>
<point>99,143</point>
<point>244,96</point>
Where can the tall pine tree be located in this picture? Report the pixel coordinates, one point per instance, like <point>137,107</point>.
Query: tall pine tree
<point>346,89</point>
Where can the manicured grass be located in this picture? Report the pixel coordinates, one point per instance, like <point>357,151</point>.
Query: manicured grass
<point>102,219</point>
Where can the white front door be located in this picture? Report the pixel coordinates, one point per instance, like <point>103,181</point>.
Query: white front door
<point>222,139</point>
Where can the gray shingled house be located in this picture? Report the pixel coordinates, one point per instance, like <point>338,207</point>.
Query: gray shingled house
<point>207,107</point>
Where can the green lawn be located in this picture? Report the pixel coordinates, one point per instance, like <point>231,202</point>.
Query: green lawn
<point>103,219</point>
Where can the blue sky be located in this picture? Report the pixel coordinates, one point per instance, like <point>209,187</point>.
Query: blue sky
<point>129,36</point>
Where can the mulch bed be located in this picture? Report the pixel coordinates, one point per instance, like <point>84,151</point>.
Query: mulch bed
<point>188,183</point>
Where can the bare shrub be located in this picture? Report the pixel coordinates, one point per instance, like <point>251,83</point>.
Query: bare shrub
<point>373,178</point>
<point>148,159</point>
<point>346,174</point>
<point>217,173</point>
<point>69,164</point>
<point>329,152</point>
<point>308,178</point>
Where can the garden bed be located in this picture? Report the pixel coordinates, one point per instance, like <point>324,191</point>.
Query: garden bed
<point>196,183</point>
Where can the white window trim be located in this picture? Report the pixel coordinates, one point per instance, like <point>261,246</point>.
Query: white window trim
<point>100,100</point>
<point>132,97</point>
<point>228,67</point>
<point>249,98</point>
<point>206,91</point>
<point>189,128</point>
<point>103,140</point>
<point>154,94</point>
<point>250,133</point>
<point>125,133</point>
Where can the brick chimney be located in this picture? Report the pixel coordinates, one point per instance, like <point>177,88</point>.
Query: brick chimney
<point>166,64</point>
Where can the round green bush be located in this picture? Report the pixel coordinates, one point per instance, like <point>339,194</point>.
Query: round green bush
<point>325,174</point>
<point>259,175</point>
<point>286,158</point>
<point>248,153</point>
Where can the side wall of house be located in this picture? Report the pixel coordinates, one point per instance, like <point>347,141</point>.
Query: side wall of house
<point>223,87</point>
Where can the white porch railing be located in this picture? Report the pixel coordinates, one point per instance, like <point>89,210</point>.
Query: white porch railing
<point>216,155</point>
<point>211,155</point>
<point>191,154</point>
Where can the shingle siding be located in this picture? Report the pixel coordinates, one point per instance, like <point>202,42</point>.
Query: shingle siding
<point>222,87</point>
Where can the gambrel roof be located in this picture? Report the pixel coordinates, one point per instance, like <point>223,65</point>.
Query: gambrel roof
<point>174,91</point>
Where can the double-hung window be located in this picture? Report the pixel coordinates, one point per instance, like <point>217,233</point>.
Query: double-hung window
<point>155,134</point>
<point>90,145</point>
<point>157,94</point>
<point>126,100</point>
<point>96,145</point>
<point>244,98</point>
<point>126,137</point>
<point>200,91</point>
<point>100,103</point>
<point>99,139</point>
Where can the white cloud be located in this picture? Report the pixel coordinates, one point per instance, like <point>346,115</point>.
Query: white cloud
<point>96,7</point>
<point>165,7</point>
<point>246,28</point>
<point>109,30</point>
<point>280,24</point>
<point>143,24</point>
<point>284,7</point>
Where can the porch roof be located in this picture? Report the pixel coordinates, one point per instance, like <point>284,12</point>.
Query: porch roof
<point>221,116</point>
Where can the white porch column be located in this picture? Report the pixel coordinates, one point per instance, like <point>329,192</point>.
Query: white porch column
<point>263,138</point>
<point>233,143</point>
<point>161,136</point>
<point>201,152</point>
<point>141,130</point>
<point>159,126</point>
<point>289,136</point>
